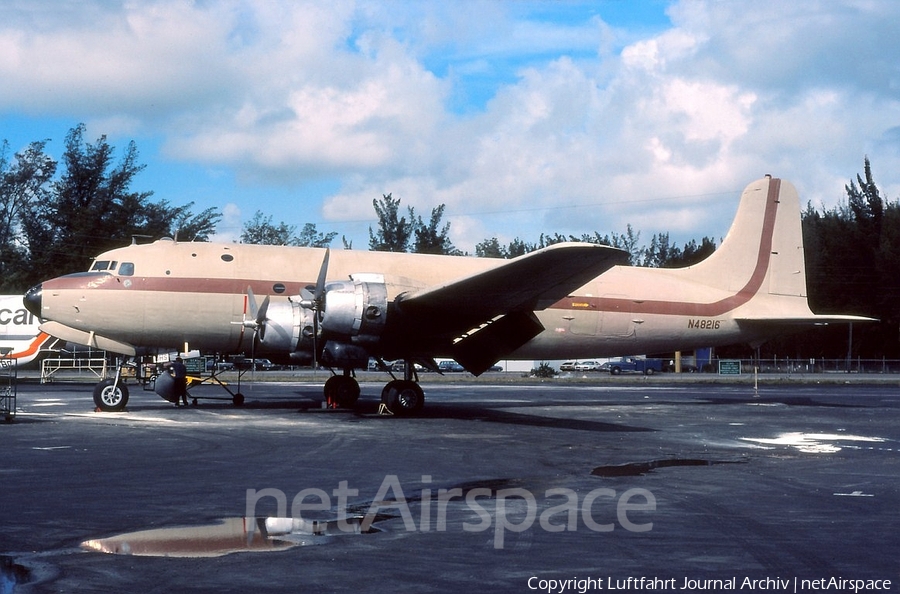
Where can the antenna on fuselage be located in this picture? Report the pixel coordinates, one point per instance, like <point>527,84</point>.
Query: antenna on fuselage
<point>134,238</point>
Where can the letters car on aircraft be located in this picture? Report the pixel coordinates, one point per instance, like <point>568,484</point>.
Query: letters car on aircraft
<point>21,340</point>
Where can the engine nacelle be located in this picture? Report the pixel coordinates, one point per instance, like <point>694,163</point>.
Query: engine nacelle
<point>355,310</point>
<point>288,327</point>
<point>351,321</point>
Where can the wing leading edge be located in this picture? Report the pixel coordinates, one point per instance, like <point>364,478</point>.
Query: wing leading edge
<point>530,282</point>
<point>504,298</point>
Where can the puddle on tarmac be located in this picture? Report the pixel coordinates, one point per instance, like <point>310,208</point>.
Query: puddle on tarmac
<point>12,574</point>
<point>231,535</point>
<point>642,468</point>
<point>815,443</point>
<point>493,484</point>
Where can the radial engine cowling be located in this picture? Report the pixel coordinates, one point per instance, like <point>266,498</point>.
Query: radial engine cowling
<point>355,310</point>
<point>287,327</point>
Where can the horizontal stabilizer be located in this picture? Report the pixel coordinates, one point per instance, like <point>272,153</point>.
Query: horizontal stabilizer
<point>810,320</point>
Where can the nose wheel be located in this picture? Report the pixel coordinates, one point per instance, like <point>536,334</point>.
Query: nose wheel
<point>110,395</point>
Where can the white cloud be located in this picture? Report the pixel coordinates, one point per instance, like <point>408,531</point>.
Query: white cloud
<point>586,127</point>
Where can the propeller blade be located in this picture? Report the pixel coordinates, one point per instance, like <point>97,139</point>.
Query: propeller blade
<point>261,312</point>
<point>320,304</point>
<point>313,298</point>
<point>261,319</point>
<point>320,282</point>
<point>251,301</point>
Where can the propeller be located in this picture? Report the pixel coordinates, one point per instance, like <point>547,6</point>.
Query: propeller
<point>257,319</point>
<point>313,299</point>
<point>256,322</point>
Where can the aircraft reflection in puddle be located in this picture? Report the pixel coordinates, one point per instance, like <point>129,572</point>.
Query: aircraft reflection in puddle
<point>814,443</point>
<point>231,535</point>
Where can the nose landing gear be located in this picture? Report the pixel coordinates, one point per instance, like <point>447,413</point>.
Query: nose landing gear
<point>111,395</point>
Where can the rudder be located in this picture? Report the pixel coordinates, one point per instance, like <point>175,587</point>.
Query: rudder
<point>763,250</point>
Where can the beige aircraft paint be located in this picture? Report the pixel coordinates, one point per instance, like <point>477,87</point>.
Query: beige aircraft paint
<point>566,301</point>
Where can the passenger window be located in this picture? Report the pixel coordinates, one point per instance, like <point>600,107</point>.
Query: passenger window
<point>126,269</point>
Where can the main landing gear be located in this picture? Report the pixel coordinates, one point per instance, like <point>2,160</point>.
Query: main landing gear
<point>400,397</point>
<point>342,391</point>
<point>403,397</point>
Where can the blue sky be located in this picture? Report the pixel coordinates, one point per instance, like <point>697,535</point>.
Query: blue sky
<point>521,117</point>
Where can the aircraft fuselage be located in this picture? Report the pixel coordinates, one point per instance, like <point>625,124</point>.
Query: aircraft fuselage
<point>341,307</point>
<point>195,295</point>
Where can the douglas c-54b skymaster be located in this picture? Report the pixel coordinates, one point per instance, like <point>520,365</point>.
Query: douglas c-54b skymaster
<point>308,305</point>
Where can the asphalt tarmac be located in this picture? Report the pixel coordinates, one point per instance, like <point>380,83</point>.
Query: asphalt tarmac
<point>506,487</point>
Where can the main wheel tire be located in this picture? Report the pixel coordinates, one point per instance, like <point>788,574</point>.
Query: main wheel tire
<point>110,397</point>
<point>403,397</point>
<point>342,391</point>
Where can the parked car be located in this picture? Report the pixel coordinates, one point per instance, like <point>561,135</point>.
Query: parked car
<point>632,365</point>
<point>257,364</point>
<point>374,365</point>
<point>568,366</point>
<point>450,366</point>
<point>590,365</point>
<point>401,366</point>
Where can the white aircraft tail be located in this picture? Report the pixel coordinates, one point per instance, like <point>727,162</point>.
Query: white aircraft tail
<point>761,260</point>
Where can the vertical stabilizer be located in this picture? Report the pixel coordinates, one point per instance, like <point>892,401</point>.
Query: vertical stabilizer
<point>763,250</point>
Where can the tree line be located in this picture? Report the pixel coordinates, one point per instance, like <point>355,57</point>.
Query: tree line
<point>55,216</point>
<point>852,267</point>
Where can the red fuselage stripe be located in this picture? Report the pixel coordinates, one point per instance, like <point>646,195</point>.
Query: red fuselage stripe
<point>231,286</point>
<point>680,308</point>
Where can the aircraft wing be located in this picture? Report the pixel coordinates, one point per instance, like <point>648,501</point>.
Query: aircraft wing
<point>505,297</point>
<point>530,282</point>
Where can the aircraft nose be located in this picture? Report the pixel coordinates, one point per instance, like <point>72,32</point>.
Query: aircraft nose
<point>32,300</point>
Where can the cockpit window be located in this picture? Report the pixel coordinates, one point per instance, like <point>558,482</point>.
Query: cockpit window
<point>126,269</point>
<point>104,265</point>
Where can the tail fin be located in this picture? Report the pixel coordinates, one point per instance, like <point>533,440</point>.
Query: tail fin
<point>761,260</point>
<point>763,250</point>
